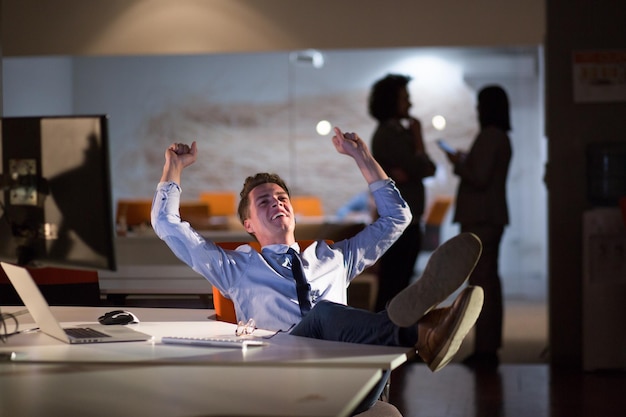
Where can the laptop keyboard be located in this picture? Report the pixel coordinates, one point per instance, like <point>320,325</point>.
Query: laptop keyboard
<point>84,333</point>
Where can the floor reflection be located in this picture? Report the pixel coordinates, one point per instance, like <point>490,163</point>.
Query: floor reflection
<point>513,390</point>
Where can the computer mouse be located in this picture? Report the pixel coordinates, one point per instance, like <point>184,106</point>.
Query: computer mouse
<point>118,317</point>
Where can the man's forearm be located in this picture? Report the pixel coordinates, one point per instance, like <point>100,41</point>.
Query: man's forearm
<point>171,173</point>
<point>371,169</point>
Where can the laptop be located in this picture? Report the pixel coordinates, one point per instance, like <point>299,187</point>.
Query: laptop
<point>40,311</point>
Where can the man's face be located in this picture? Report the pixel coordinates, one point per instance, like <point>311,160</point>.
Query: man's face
<point>271,217</point>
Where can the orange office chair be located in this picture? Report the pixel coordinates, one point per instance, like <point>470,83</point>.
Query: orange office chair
<point>224,307</point>
<point>307,205</point>
<point>433,220</point>
<point>133,213</point>
<point>197,213</point>
<point>221,203</point>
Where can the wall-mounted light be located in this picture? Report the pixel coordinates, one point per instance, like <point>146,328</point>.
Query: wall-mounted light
<point>309,57</point>
<point>323,127</point>
<point>439,122</point>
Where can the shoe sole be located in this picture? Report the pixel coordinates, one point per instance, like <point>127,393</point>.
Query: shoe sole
<point>471,305</point>
<point>448,268</point>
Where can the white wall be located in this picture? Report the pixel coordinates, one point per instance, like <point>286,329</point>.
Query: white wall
<point>34,87</point>
<point>257,112</point>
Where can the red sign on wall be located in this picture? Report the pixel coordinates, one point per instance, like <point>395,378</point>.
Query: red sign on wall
<point>599,76</point>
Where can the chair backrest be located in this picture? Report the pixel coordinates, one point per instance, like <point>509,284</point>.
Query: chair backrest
<point>307,205</point>
<point>437,211</point>
<point>133,212</point>
<point>136,212</point>
<point>224,307</point>
<point>197,213</point>
<point>59,286</point>
<point>433,221</point>
<point>221,203</point>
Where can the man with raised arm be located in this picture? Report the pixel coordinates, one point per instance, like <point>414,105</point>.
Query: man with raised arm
<point>262,285</point>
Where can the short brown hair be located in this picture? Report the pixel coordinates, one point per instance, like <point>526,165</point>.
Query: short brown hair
<point>249,184</point>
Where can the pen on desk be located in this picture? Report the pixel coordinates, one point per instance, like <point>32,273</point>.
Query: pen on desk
<point>31,330</point>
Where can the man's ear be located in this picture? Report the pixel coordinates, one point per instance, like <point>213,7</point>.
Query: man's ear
<point>248,226</point>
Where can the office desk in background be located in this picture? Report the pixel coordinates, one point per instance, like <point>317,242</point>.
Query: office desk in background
<point>146,265</point>
<point>292,376</point>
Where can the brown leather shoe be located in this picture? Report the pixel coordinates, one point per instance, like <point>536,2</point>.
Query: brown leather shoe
<point>441,331</point>
<point>447,269</point>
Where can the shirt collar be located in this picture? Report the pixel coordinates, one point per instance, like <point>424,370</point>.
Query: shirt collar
<point>281,247</point>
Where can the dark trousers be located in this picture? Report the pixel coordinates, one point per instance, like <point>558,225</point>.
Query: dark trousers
<point>486,275</point>
<point>397,265</point>
<point>342,323</point>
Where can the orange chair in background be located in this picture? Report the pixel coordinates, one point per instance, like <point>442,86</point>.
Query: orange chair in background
<point>307,206</point>
<point>433,221</point>
<point>224,307</point>
<point>221,203</point>
<point>134,212</point>
<point>196,213</point>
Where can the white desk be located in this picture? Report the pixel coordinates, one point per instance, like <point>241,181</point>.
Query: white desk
<point>62,390</point>
<point>292,376</point>
<point>282,349</point>
<point>145,265</point>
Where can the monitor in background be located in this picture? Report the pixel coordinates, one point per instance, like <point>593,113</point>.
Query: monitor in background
<point>56,204</point>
